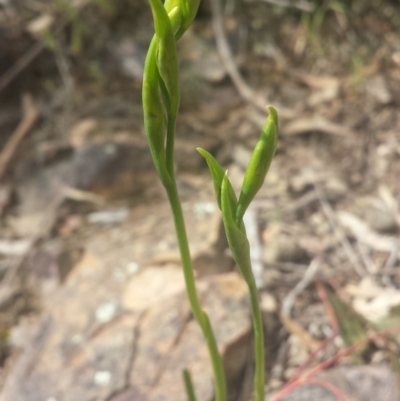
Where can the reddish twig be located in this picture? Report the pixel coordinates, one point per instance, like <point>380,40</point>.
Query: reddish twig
<point>335,327</point>
<point>21,64</point>
<point>328,307</point>
<point>308,377</point>
<point>298,380</point>
<point>30,117</point>
<point>322,383</point>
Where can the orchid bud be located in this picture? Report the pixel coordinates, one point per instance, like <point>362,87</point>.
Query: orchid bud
<point>153,110</point>
<point>167,58</point>
<point>259,163</point>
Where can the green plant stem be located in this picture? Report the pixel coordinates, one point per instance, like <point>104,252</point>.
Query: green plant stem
<point>199,314</point>
<point>169,149</point>
<point>259,377</point>
<point>187,379</point>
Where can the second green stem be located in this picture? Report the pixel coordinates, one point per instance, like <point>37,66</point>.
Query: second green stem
<point>259,377</point>
<point>199,314</point>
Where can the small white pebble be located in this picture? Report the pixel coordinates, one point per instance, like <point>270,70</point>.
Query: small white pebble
<point>119,275</point>
<point>102,378</point>
<point>268,303</point>
<point>203,209</point>
<point>77,339</point>
<point>51,399</point>
<point>110,149</point>
<point>132,268</point>
<point>108,216</point>
<point>105,312</point>
<point>162,246</point>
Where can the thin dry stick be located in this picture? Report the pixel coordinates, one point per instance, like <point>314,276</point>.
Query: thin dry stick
<point>20,64</point>
<point>245,91</point>
<point>335,327</point>
<point>349,350</point>
<point>361,231</point>
<point>338,231</point>
<point>300,4</point>
<point>64,68</point>
<point>322,383</point>
<point>228,61</point>
<point>366,258</point>
<point>250,222</point>
<point>287,304</point>
<point>393,256</point>
<point>324,365</point>
<point>290,298</point>
<point>30,117</point>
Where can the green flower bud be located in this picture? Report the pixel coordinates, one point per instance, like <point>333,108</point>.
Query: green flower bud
<point>189,11</point>
<point>167,59</point>
<point>153,110</point>
<point>237,240</point>
<point>259,163</point>
<point>169,5</point>
<point>175,16</point>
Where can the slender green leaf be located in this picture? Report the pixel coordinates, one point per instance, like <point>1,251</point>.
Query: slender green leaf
<point>218,175</point>
<point>237,240</point>
<point>187,378</point>
<point>352,326</point>
<point>216,360</point>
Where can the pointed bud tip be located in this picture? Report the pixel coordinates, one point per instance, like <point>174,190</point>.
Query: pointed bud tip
<point>273,114</point>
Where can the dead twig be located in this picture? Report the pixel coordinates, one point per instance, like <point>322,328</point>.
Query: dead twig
<point>316,123</point>
<point>322,383</point>
<point>250,222</point>
<point>64,68</point>
<point>29,119</point>
<point>290,298</point>
<point>393,256</point>
<point>349,350</point>
<point>364,234</point>
<point>308,378</point>
<point>20,64</point>
<point>79,195</point>
<point>338,231</point>
<point>245,91</point>
<point>335,327</point>
<point>299,125</point>
<point>369,263</point>
<point>302,5</point>
<point>291,325</point>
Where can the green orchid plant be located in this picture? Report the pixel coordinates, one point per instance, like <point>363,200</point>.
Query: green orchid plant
<point>160,106</point>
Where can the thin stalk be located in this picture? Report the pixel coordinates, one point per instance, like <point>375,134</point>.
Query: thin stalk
<point>199,314</point>
<point>259,377</point>
<point>169,148</point>
<point>187,379</point>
